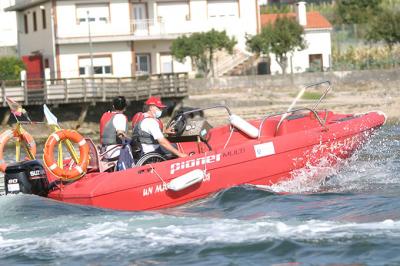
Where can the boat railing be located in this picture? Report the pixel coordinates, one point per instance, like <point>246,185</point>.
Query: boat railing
<point>207,108</point>
<point>312,110</point>
<point>327,90</point>
<point>300,94</point>
<point>320,121</point>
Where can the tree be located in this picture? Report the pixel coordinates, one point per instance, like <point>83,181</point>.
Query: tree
<point>385,27</point>
<point>10,68</point>
<point>201,47</point>
<point>356,11</point>
<point>279,38</point>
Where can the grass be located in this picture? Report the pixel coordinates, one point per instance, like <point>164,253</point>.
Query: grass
<point>309,95</point>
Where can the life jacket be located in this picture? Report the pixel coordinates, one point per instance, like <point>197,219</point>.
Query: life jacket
<point>108,133</point>
<point>138,135</point>
<point>139,116</point>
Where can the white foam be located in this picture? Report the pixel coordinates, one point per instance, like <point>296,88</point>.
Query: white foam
<point>132,238</point>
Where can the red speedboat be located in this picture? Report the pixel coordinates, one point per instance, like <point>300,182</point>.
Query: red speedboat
<point>263,151</point>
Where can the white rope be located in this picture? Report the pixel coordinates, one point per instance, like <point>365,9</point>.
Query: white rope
<point>230,136</point>
<point>162,180</point>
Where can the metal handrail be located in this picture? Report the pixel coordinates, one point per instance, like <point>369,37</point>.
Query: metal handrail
<point>325,92</point>
<point>293,104</point>
<point>208,108</point>
<point>322,123</point>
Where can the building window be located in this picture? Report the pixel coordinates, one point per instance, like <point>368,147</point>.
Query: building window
<point>142,64</point>
<point>46,63</point>
<point>34,21</point>
<point>223,8</point>
<point>44,18</point>
<point>316,62</point>
<point>99,13</point>
<point>26,23</point>
<point>101,66</point>
<point>177,11</point>
<point>82,71</point>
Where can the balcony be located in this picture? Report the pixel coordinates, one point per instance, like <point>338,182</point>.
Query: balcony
<point>150,29</point>
<point>159,28</point>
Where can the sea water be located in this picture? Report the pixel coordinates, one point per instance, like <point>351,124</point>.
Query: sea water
<point>353,217</point>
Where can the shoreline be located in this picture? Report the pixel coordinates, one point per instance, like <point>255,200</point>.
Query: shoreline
<point>253,103</point>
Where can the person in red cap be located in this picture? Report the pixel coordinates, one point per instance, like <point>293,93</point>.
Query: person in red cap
<point>149,129</point>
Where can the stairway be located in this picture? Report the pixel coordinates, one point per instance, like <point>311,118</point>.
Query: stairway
<point>227,62</point>
<point>246,67</point>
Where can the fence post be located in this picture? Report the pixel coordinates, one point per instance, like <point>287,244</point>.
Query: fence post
<point>119,86</point>
<point>65,90</point>
<point>26,92</point>
<point>85,89</point>
<point>136,84</point>
<point>45,88</point>
<point>103,90</point>
<point>3,92</point>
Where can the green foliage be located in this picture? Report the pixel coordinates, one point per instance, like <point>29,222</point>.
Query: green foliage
<point>275,9</point>
<point>362,58</point>
<point>311,95</point>
<point>385,27</point>
<point>201,47</point>
<point>280,38</point>
<point>356,11</point>
<point>10,68</point>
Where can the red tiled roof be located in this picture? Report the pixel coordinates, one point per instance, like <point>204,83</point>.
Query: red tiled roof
<point>314,20</point>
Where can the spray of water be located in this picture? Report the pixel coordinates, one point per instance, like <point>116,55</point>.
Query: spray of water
<point>370,168</point>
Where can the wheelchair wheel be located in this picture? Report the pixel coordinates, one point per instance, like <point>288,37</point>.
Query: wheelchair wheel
<point>150,157</point>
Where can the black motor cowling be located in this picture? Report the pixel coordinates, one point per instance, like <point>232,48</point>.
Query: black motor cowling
<point>28,177</point>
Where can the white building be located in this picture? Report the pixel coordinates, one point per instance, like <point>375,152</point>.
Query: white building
<point>317,34</point>
<point>126,37</point>
<point>8,26</point>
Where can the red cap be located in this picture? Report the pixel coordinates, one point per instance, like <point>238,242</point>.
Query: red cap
<point>155,101</point>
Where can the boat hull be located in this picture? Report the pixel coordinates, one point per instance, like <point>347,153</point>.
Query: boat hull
<point>271,159</point>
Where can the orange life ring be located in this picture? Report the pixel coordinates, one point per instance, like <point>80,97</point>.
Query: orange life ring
<point>5,138</point>
<point>79,169</point>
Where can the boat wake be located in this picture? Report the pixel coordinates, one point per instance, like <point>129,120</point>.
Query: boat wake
<point>96,236</point>
<point>369,169</point>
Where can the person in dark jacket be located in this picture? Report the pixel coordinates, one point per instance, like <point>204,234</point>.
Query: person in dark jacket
<point>114,127</point>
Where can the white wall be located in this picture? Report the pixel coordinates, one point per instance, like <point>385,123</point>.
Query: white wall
<point>318,42</point>
<point>120,52</point>
<point>156,49</point>
<point>120,24</point>
<point>40,41</point>
<point>238,27</point>
<point>8,24</point>
<point>68,26</point>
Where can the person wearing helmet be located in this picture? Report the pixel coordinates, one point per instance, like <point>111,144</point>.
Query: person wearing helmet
<point>150,132</point>
<point>114,126</point>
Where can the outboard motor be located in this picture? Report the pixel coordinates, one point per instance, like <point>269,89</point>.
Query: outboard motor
<point>28,177</point>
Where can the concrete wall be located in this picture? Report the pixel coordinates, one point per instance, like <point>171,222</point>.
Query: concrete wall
<point>350,79</point>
